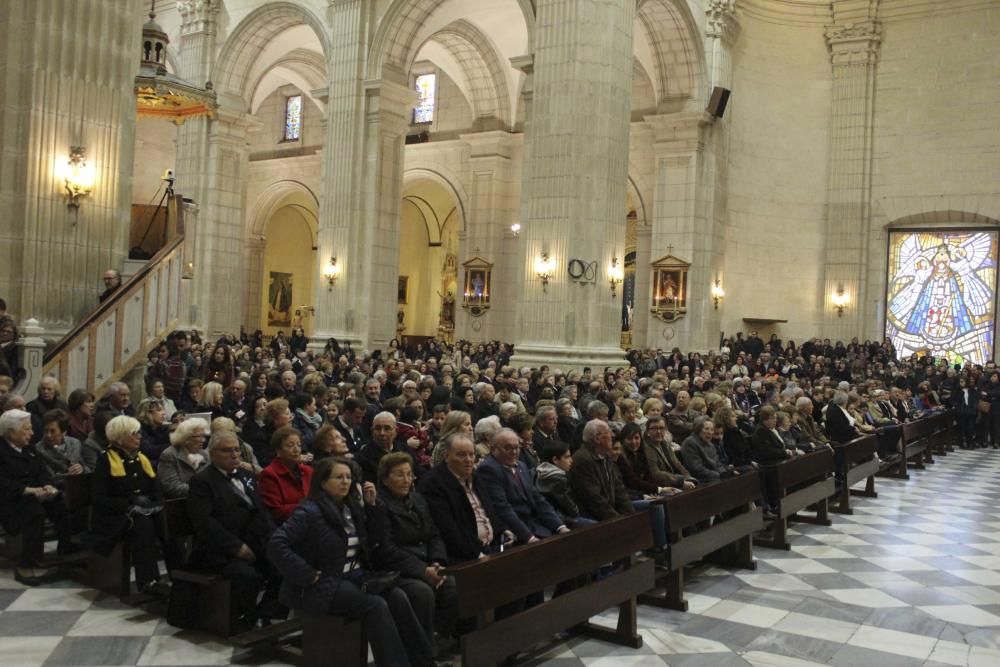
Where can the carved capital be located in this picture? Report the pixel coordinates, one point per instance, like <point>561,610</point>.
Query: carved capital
<point>722,21</point>
<point>198,15</point>
<point>854,43</point>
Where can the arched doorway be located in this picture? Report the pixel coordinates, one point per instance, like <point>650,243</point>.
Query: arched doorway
<point>428,259</point>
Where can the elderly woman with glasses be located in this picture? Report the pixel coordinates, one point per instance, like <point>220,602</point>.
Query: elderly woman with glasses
<point>186,456</point>
<point>126,497</point>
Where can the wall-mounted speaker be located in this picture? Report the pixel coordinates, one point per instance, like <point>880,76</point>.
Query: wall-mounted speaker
<point>719,100</point>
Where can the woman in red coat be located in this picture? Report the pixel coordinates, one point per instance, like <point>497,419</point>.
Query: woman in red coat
<point>285,481</point>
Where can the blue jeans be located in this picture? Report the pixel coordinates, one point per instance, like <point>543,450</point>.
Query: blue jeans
<point>657,518</point>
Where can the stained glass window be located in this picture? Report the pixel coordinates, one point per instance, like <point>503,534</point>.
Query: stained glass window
<point>426,85</point>
<point>293,118</point>
<point>940,294</point>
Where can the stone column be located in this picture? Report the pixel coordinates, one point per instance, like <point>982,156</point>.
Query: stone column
<point>574,181</point>
<point>67,70</point>
<point>683,226</point>
<point>362,175</point>
<point>196,52</point>
<point>854,50</point>
<point>254,253</point>
<point>491,214</point>
<point>644,333</point>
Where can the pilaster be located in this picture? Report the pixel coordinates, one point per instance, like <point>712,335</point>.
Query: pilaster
<point>574,182</point>
<point>854,51</point>
<point>722,29</point>
<point>199,21</point>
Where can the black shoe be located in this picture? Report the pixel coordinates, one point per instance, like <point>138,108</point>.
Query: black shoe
<point>28,579</point>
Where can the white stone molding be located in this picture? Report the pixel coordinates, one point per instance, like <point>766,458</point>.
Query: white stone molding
<point>198,15</point>
<point>31,351</point>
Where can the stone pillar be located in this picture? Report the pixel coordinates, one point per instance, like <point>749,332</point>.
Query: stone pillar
<point>491,214</point>
<point>362,176</point>
<point>721,30</point>
<point>854,51</point>
<point>31,352</point>
<point>196,51</point>
<point>254,253</point>
<point>683,226</point>
<point>574,182</point>
<point>67,70</point>
<point>644,333</point>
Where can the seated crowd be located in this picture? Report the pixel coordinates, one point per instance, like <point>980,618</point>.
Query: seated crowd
<point>308,475</point>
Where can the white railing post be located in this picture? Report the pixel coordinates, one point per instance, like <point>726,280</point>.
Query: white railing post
<point>31,356</point>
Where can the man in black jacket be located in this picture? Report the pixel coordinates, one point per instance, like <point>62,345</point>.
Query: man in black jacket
<point>232,527</point>
<point>462,511</point>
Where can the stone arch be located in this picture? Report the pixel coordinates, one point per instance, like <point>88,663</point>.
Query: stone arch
<point>445,179</point>
<point>393,47</point>
<point>640,204</point>
<point>676,48</point>
<point>277,195</point>
<point>309,71</point>
<point>929,218</point>
<point>486,80</point>
<point>232,72</point>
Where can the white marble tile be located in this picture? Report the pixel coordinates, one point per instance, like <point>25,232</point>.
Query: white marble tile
<point>763,659</point>
<point>55,599</point>
<point>950,653</point>
<point>912,550</point>
<point>115,623</point>
<point>799,566</point>
<point>868,520</point>
<point>698,603</point>
<point>167,650</point>
<point>675,642</point>
<point>816,627</point>
<point>775,582</point>
<point>972,594</point>
<point>865,597</point>
<point>980,577</point>
<point>924,538</point>
<point>630,660</point>
<point>748,614</point>
<point>963,614</point>
<point>985,562</point>
<point>983,657</point>
<point>814,551</point>
<point>988,547</point>
<point>24,651</point>
<point>856,529</point>
<point>893,641</point>
<point>899,563</point>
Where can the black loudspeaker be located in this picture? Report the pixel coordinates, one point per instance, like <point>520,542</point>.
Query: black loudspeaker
<point>717,104</point>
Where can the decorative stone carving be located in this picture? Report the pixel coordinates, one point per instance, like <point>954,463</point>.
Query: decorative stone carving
<point>198,15</point>
<point>854,43</point>
<point>722,21</point>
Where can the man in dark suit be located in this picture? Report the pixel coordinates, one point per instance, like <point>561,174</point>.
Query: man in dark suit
<point>594,480</point>
<point>965,401</point>
<point>27,496</point>
<point>383,442</point>
<point>232,528</point>
<point>838,423</point>
<point>546,428</point>
<point>512,493</point>
<point>348,423</point>
<point>461,509</point>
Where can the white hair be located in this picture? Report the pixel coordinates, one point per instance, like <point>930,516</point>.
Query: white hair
<point>590,430</point>
<point>187,428</point>
<point>12,420</point>
<point>121,426</point>
<point>487,428</point>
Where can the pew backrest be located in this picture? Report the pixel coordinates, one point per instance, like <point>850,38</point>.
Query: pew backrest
<point>692,507</point>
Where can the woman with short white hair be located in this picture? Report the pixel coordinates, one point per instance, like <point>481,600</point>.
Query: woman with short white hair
<point>185,457</point>
<point>27,497</point>
<point>126,496</point>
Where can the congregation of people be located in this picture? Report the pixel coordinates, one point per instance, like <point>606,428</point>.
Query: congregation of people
<point>327,481</point>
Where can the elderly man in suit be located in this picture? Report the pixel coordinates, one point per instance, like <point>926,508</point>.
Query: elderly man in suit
<point>507,482</point>
<point>460,506</point>
<point>232,527</point>
<point>594,479</point>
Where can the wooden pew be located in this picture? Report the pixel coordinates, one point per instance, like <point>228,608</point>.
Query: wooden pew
<point>112,573</point>
<point>944,434</point>
<point>685,511</point>
<point>914,441</point>
<point>498,580</point>
<point>801,482</point>
<point>855,461</point>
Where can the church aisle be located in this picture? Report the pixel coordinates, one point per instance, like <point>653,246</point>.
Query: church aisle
<point>912,578</point>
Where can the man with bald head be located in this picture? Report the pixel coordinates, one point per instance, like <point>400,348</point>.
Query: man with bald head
<point>383,442</point>
<point>594,479</point>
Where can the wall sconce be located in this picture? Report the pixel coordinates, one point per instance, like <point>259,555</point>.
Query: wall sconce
<point>544,266</point>
<point>615,275</point>
<point>331,272</point>
<point>77,176</point>
<point>515,229</point>
<point>839,300</point>
<point>718,294</point>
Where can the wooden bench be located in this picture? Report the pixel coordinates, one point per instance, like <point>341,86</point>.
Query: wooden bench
<point>730,504</point>
<point>914,443</point>
<point>855,461</point>
<point>944,434</point>
<point>112,573</point>
<point>501,579</point>
<point>801,482</point>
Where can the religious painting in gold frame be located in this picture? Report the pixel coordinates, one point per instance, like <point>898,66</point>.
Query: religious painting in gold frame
<point>478,280</point>
<point>669,288</point>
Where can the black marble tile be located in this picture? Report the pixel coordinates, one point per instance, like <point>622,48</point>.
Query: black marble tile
<point>37,623</point>
<point>85,651</point>
<point>795,646</point>
<point>907,619</point>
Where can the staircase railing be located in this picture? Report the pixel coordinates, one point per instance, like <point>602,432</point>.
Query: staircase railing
<point>119,334</point>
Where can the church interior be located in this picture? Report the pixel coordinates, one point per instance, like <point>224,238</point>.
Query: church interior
<point>588,184</point>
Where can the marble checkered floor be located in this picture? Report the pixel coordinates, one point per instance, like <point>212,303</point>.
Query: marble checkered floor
<point>912,578</point>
